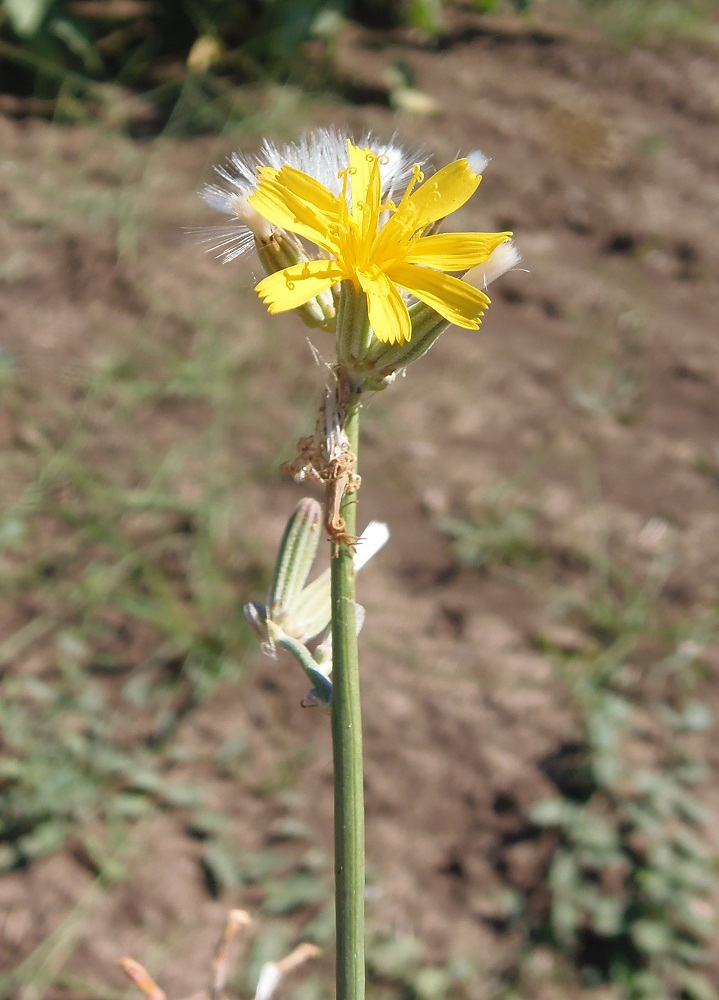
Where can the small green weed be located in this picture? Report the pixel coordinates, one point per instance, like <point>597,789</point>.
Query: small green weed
<point>609,391</point>
<point>133,568</point>
<point>633,22</point>
<point>69,774</point>
<point>606,381</point>
<point>631,879</point>
<point>500,531</point>
<point>708,465</point>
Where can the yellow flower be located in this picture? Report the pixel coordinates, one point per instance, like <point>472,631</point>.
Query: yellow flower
<point>379,246</point>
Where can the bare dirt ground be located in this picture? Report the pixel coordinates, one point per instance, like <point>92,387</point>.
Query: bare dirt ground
<point>589,396</point>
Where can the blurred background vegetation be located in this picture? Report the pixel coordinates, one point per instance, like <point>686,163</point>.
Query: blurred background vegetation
<point>56,52</point>
<point>54,45</point>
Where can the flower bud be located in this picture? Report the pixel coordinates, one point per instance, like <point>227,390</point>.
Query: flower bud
<point>354,335</point>
<point>297,552</point>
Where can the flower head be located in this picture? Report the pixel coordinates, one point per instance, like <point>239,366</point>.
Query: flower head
<point>322,155</point>
<point>384,249</point>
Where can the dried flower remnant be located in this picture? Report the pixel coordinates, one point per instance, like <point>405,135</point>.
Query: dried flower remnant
<point>326,457</point>
<point>271,973</point>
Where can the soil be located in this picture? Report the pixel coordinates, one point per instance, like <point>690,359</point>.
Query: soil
<point>589,396</point>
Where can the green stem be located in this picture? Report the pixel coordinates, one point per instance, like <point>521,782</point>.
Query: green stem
<point>348,771</point>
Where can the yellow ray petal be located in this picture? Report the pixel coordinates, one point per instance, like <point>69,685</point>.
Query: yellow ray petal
<point>283,208</point>
<point>386,308</point>
<point>292,287</point>
<point>443,193</point>
<point>306,188</point>
<point>452,298</point>
<point>366,190</point>
<point>454,251</point>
